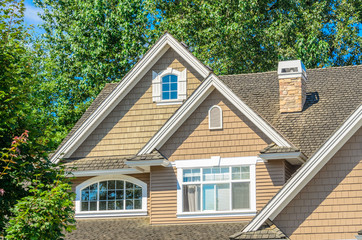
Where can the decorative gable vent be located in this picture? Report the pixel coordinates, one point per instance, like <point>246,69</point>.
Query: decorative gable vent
<point>215,117</point>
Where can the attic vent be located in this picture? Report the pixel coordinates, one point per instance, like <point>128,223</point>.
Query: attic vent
<point>215,117</point>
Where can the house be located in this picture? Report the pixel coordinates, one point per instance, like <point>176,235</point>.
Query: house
<point>175,152</point>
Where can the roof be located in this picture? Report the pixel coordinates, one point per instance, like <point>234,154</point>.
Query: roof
<point>265,232</point>
<point>106,91</point>
<point>139,229</point>
<point>332,96</point>
<point>274,148</point>
<point>107,163</point>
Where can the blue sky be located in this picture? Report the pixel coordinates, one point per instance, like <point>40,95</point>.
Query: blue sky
<point>31,16</point>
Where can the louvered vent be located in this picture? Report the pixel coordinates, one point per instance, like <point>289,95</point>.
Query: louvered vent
<point>215,117</point>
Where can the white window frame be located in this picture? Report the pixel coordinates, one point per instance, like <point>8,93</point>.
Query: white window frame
<point>216,162</point>
<point>110,213</point>
<point>219,127</point>
<point>181,86</point>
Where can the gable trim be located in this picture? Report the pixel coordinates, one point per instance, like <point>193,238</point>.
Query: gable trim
<point>124,87</point>
<point>200,94</point>
<point>307,171</point>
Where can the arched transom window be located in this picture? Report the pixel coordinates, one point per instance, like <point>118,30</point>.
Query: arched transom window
<point>111,195</point>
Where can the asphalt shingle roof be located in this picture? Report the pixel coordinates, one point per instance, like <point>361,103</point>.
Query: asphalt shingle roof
<point>106,163</point>
<point>265,232</point>
<point>333,94</point>
<point>140,229</point>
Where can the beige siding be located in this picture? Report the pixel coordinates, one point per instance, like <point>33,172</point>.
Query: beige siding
<point>136,118</point>
<point>144,177</point>
<point>330,205</point>
<point>193,140</point>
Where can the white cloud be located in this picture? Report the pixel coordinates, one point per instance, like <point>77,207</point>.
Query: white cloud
<point>31,14</point>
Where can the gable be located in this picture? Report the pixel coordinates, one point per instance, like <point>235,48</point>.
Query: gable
<point>136,118</point>
<point>93,117</point>
<point>329,206</point>
<point>194,140</point>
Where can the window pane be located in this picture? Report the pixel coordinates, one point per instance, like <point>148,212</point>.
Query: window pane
<point>173,95</point>
<point>102,195</point>
<point>85,195</point>
<point>191,175</point>
<point>173,78</point>
<point>165,95</point>
<point>119,205</point>
<point>209,196</point>
<point>93,186</point>
<point>119,194</point>
<point>191,198</point>
<point>93,206</point>
<point>102,205</point>
<point>111,195</point>
<point>129,204</point>
<point>216,174</point>
<point>84,206</point>
<point>111,185</point>
<point>137,204</point>
<point>166,79</point>
<point>166,87</point>
<point>119,185</point>
<point>103,185</point>
<point>174,87</point>
<point>245,172</point>
<point>240,173</point>
<point>137,194</point>
<point>129,185</point>
<point>111,205</point>
<point>223,197</point>
<point>93,195</point>
<point>241,195</point>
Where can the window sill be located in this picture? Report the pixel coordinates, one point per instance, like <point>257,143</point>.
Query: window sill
<point>169,102</point>
<point>216,214</point>
<point>102,214</point>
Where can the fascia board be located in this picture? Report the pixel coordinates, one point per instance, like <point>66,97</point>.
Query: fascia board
<point>307,171</point>
<point>290,155</point>
<point>130,80</point>
<point>142,163</point>
<point>200,94</point>
<point>103,172</point>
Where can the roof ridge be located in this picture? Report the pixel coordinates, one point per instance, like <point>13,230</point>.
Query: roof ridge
<point>308,69</point>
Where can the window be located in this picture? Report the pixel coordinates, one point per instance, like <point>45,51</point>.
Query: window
<point>217,186</point>
<point>169,86</point>
<point>112,195</point>
<point>216,189</point>
<point>215,117</point>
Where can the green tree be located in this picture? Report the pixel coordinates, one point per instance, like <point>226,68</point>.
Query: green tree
<point>25,172</point>
<point>252,36</point>
<point>86,45</point>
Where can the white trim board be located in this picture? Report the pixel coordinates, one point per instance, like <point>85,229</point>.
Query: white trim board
<point>307,171</point>
<point>200,94</point>
<point>124,87</point>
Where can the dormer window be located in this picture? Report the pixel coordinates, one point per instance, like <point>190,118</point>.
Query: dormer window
<point>169,86</point>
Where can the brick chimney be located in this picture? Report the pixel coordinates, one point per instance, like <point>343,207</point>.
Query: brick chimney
<point>292,86</point>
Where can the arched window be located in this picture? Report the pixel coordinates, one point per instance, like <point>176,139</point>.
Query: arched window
<point>169,87</point>
<point>215,117</point>
<point>119,194</point>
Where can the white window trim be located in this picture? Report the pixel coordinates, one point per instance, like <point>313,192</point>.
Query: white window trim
<point>110,213</point>
<point>181,86</point>
<point>221,125</point>
<point>216,162</point>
